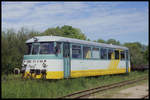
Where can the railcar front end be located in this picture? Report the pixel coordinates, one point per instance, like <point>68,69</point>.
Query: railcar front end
<point>43,60</point>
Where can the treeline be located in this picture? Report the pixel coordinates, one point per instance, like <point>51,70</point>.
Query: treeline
<point>13,45</point>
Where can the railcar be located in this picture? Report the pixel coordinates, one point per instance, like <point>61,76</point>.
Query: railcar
<point>55,57</point>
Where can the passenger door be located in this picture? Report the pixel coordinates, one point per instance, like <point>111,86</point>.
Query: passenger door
<point>66,56</point>
<point>127,65</point>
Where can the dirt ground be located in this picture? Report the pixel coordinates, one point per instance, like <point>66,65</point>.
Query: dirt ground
<point>137,91</point>
<point>133,92</point>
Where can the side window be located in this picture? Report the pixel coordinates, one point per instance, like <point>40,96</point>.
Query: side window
<point>76,51</point>
<point>116,54</point>
<point>110,51</point>
<point>58,48</point>
<point>86,52</point>
<point>103,53</point>
<point>95,53</point>
<point>122,54</point>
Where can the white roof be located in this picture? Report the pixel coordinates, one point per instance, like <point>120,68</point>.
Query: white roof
<point>72,40</point>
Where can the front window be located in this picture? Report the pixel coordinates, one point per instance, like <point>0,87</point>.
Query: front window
<point>35,49</point>
<point>122,55</point>
<point>47,48</point>
<point>29,45</point>
<point>43,48</point>
<point>116,54</point>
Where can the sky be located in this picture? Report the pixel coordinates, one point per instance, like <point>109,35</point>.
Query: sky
<point>122,21</point>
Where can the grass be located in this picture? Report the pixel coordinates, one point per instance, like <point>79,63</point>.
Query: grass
<point>15,87</point>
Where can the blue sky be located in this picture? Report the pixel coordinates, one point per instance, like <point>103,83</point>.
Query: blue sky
<point>123,21</point>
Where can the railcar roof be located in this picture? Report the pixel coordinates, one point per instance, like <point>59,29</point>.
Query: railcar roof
<point>72,40</point>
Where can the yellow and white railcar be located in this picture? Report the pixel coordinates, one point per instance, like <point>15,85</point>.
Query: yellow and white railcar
<point>54,57</point>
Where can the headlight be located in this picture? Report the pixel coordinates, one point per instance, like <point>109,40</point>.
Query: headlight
<point>44,65</point>
<point>23,69</point>
<point>24,65</point>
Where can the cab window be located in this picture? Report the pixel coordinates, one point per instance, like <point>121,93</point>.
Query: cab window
<point>35,49</point>
<point>28,46</point>
<point>122,54</point>
<point>110,52</point>
<point>47,48</point>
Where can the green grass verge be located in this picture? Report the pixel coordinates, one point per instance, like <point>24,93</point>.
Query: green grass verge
<point>15,87</point>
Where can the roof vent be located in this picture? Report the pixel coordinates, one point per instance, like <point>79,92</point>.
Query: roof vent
<point>35,39</point>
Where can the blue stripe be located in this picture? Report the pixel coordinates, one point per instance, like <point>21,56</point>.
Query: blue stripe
<point>41,57</point>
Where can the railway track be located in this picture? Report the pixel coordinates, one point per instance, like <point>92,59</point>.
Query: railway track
<point>88,92</point>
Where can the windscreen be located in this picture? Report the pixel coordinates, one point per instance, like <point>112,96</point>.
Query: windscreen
<point>47,48</point>
<point>35,49</point>
<point>40,48</point>
<point>28,46</point>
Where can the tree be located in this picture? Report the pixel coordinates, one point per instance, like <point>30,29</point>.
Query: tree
<point>146,55</point>
<point>53,31</point>
<point>113,41</point>
<point>101,41</point>
<point>65,31</point>
<point>13,48</point>
<point>88,39</point>
<point>136,54</point>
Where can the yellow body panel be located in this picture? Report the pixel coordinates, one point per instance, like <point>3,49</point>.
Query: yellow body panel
<point>96,72</point>
<point>80,73</point>
<point>55,75</point>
